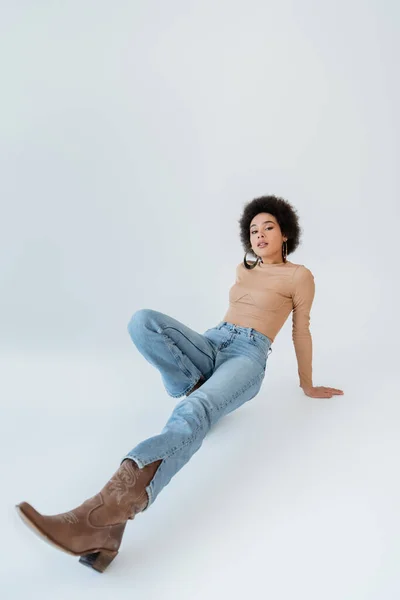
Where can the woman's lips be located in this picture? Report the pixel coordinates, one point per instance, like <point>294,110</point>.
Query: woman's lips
<point>262,245</point>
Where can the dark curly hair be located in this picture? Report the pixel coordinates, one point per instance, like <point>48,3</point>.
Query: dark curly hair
<point>283,211</point>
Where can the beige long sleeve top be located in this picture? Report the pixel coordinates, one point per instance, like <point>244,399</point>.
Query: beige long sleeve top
<point>264,297</point>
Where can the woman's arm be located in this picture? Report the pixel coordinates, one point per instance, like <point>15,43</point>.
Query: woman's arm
<point>303,296</point>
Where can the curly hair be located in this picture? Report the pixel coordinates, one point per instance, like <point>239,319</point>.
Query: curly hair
<point>283,211</point>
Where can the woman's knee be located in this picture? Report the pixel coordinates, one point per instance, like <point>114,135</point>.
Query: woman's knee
<point>139,320</point>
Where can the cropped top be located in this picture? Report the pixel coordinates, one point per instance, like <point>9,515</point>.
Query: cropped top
<point>264,297</point>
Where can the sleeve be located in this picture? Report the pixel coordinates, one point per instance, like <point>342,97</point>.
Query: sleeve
<point>303,296</point>
<point>237,272</point>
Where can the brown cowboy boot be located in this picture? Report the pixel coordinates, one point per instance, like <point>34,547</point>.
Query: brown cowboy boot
<point>94,529</point>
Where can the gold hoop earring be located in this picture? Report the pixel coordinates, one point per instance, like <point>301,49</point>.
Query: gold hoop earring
<point>254,262</point>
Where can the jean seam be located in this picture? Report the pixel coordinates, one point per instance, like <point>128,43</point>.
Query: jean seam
<point>265,354</point>
<point>178,361</point>
<point>252,382</point>
<point>189,340</point>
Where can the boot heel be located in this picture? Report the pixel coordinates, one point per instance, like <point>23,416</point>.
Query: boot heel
<point>98,560</point>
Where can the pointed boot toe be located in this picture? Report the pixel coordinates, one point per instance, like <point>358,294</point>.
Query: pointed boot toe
<point>72,531</point>
<point>37,523</point>
<point>94,529</point>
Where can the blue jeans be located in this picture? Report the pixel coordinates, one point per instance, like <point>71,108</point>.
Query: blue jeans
<point>232,361</point>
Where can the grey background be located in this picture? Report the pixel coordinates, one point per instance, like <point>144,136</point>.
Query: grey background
<point>132,134</point>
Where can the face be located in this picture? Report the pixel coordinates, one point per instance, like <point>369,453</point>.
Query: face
<point>265,228</point>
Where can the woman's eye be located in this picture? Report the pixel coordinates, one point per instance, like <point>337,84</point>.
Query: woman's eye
<point>255,230</point>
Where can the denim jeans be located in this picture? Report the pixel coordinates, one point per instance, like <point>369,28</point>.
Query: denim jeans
<point>232,361</point>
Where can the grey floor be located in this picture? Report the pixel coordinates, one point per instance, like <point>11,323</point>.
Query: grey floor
<point>288,497</point>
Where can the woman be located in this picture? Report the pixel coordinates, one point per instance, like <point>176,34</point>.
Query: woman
<point>220,369</point>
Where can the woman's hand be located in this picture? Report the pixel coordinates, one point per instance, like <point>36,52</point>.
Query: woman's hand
<point>322,392</point>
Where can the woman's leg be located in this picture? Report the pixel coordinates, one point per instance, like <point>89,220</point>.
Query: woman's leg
<point>94,529</point>
<point>238,372</point>
<point>232,363</point>
<point>183,356</point>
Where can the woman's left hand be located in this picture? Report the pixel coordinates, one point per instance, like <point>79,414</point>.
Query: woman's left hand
<point>322,392</point>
